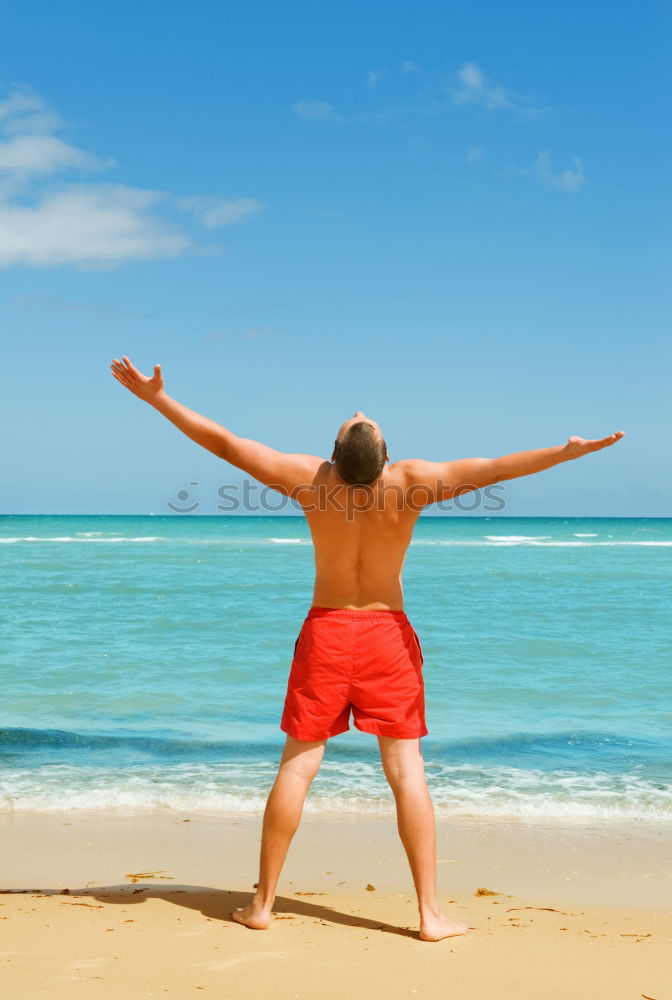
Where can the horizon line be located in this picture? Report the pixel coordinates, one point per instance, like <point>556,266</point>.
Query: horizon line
<point>301,516</point>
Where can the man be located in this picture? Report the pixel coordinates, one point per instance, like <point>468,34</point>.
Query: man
<point>356,649</point>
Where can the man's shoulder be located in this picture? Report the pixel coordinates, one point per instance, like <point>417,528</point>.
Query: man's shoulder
<point>308,466</point>
<point>418,479</point>
<point>409,470</point>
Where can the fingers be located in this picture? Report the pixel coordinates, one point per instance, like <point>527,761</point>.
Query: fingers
<point>605,442</point>
<point>130,366</point>
<point>612,438</point>
<point>598,442</point>
<point>121,373</point>
<point>128,370</point>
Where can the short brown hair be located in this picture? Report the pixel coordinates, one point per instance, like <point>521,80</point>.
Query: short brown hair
<point>360,455</point>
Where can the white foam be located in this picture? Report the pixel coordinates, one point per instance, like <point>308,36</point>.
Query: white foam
<point>223,803</point>
<point>75,538</point>
<point>540,544</point>
<point>493,541</point>
<point>585,534</point>
<point>343,787</point>
<point>516,538</point>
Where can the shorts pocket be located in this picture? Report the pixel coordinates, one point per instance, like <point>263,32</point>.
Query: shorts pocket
<point>417,641</point>
<point>298,640</point>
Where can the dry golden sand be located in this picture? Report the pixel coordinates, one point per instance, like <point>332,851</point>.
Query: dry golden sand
<point>580,912</point>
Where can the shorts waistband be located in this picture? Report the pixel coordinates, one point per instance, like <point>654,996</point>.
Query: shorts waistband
<point>352,614</point>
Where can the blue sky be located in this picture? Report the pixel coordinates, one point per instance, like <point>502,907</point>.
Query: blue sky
<point>453,216</point>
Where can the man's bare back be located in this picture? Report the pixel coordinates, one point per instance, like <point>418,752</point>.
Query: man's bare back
<point>360,542</point>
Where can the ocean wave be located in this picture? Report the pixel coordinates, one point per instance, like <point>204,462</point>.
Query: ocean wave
<point>492,541</point>
<point>595,750</point>
<point>516,538</point>
<point>75,538</point>
<point>554,775</point>
<point>358,787</point>
<point>503,541</point>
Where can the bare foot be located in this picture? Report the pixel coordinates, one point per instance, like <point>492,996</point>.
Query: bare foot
<point>439,927</point>
<point>253,916</point>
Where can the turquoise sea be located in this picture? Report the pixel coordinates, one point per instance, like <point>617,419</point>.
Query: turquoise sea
<point>144,663</point>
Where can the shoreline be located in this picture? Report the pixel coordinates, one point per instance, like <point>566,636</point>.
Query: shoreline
<point>605,863</point>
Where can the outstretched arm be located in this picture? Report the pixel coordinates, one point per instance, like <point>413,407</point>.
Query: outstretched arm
<point>443,480</point>
<point>281,471</point>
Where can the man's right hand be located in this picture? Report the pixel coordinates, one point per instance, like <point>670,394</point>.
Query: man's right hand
<point>578,446</point>
<point>147,389</point>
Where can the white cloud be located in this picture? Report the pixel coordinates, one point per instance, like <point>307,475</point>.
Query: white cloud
<point>31,146</point>
<point>569,181</point>
<point>25,111</point>
<point>44,154</point>
<point>314,109</point>
<point>434,94</point>
<point>256,332</point>
<point>217,211</point>
<point>43,225</point>
<point>95,223</point>
<point>471,76</point>
<point>473,87</point>
<point>476,90</point>
<point>475,153</point>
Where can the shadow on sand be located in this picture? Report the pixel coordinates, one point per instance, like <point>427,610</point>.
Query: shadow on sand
<point>216,904</point>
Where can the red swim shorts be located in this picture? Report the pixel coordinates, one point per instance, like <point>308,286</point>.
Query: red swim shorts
<point>367,661</point>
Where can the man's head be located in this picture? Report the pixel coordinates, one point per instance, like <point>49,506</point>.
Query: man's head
<point>360,451</point>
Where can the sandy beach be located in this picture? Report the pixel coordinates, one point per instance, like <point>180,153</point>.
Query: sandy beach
<point>102,904</point>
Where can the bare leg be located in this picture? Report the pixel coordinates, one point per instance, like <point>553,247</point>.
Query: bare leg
<point>299,764</point>
<point>405,771</point>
